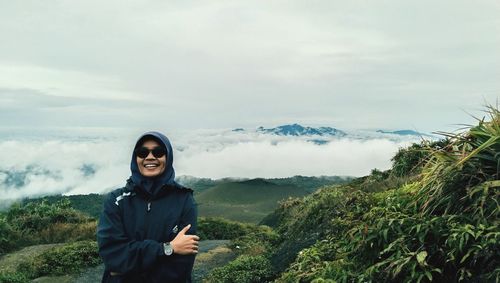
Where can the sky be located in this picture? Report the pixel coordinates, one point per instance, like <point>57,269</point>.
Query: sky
<point>81,80</point>
<point>173,65</point>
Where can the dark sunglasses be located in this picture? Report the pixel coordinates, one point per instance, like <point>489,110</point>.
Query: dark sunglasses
<point>143,152</point>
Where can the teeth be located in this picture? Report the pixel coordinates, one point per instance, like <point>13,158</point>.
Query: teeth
<point>150,165</point>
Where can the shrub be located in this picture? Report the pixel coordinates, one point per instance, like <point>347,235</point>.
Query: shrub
<point>70,258</point>
<point>330,211</point>
<point>221,229</point>
<point>257,242</point>
<point>34,217</point>
<point>13,277</point>
<point>244,269</point>
<point>317,261</point>
<point>67,232</point>
<point>8,236</point>
<point>43,223</point>
<point>410,160</point>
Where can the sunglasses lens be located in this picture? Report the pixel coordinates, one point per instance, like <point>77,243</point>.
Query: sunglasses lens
<point>158,152</point>
<point>142,152</point>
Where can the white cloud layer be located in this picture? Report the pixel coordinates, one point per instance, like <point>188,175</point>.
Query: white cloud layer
<point>31,167</point>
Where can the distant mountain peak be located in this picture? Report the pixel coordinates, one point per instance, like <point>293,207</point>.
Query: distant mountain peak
<point>299,130</point>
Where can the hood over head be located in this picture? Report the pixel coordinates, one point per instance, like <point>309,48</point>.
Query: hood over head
<point>153,184</point>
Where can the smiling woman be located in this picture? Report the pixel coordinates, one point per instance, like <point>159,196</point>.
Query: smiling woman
<point>146,232</point>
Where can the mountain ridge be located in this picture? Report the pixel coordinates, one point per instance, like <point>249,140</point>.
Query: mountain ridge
<point>298,130</point>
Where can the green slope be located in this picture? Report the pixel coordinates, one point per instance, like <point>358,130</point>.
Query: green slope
<point>246,201</point>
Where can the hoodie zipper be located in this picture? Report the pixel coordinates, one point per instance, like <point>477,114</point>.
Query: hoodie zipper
<point>146,218</point>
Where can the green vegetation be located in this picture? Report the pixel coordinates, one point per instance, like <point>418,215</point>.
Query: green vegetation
<point>245,201</point>
<point>432,217</point>
<point>253,245</point>
<point>90,204</point>
<point>245,269</point>
<point>239,200</point>
<point>310,183</point>
<point>13,277</point>
<point>41,223</point>
<point>442,226</point>
<point>411,160</point>
<point>222,229</point>
<point>72,219</point>
<point>70,258</point>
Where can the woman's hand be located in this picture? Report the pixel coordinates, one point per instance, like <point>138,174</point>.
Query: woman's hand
<point>185,244</point>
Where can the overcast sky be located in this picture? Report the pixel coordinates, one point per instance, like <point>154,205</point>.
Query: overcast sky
<point>220,64</point>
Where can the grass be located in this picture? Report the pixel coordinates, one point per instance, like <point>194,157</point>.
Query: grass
<point>11,261</point>
<point>245,201</point>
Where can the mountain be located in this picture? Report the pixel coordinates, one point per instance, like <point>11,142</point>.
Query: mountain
<point>324,135</point>
<point>298,130</point>
<point>247,200</point>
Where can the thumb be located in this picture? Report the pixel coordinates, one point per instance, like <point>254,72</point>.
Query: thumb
<point>184,230</point>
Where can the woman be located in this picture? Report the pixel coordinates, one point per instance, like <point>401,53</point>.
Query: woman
<point>146,232</point>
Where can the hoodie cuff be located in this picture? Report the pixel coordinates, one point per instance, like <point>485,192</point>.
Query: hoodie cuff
<point>161,250</point>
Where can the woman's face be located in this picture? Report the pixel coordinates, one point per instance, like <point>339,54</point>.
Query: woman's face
<point>151,166</point>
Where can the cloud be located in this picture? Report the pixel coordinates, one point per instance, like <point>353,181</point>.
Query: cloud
<point>267,159</point>
<point>36,167</point>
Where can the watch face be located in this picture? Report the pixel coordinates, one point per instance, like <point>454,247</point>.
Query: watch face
<point>168,249</point>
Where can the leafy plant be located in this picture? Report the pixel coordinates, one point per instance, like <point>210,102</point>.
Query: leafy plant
<point>213,228</point>
<point>8,236</point>
<point>244,269</point>
<point>41,222</point>
<point>13,277</point>
<point>34,217</point>
<point>70,258</point>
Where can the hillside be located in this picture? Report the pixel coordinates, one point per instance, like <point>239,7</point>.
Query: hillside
<point>216,197</point>
<point>42,242</point>
<point>434,217</point>
<point>247,201</point>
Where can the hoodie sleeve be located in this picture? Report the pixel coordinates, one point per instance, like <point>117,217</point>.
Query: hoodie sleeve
<point>189,216</point>
<point>119,253</point>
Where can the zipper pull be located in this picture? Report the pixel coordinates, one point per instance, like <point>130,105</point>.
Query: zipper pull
<point>149,206</point>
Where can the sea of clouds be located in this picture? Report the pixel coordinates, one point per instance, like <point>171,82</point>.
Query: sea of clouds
<point>81,164</point>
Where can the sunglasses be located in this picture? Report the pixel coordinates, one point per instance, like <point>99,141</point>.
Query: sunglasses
<point>143,152</point>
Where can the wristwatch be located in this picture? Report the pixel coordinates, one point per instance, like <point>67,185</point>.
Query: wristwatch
<point>167,248</point>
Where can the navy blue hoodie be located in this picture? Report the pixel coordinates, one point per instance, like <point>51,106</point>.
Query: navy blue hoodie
<point>138,218</point>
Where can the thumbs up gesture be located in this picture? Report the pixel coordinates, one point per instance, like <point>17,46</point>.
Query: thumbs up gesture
<point>185,244</point>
